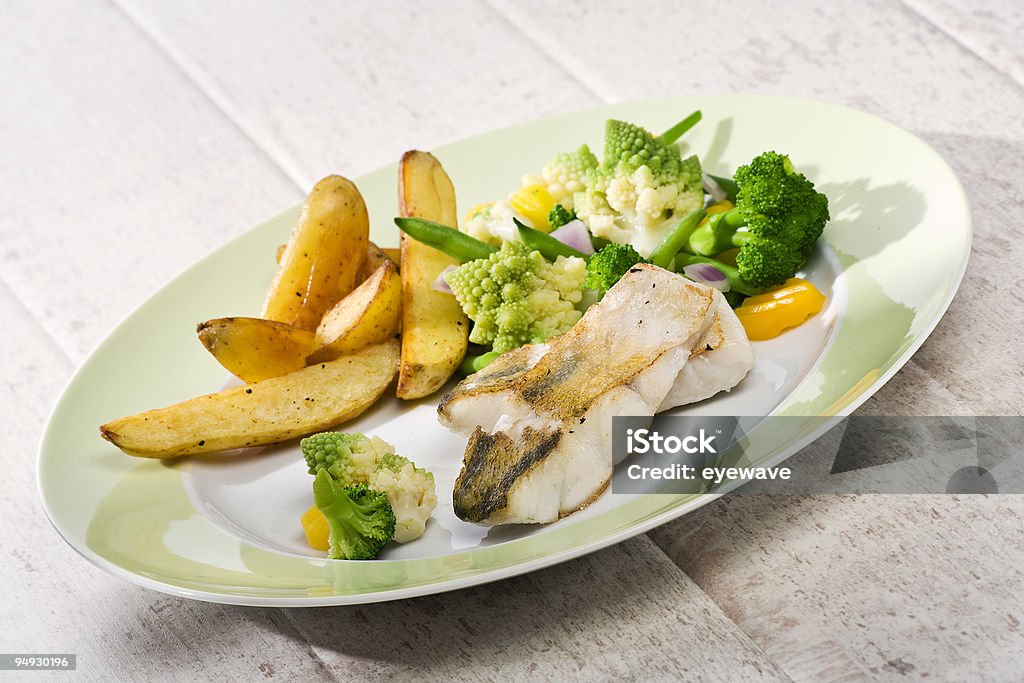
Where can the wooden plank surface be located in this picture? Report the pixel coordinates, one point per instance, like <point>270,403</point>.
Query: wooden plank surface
<point>348,86</point>
<point>123,171</point>
<point>141,134</point>
<point>624,613</point>
<point>989,28</point>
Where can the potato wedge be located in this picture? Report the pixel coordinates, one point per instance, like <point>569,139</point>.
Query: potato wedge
<point>253,349</point>
<point>434,329</point>
<point>394,254</point>
<point>322,259</point>
<point>277,409</point>
<point>375,258</point>
<point>369,315</point>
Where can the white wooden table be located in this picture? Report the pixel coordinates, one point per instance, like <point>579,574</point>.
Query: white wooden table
<point>137,135</point>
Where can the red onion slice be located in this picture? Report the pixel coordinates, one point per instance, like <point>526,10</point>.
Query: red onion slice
<point>707,274</point>
<point>575,234</point>
<point>440,284</point>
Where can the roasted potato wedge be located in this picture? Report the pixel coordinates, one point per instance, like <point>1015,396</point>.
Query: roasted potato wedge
<point>272,410</point>
<point>375,258</point>
<point>253,349</point>
<point>324,256</point>
<point>434,329</point>
<point>369,315</point>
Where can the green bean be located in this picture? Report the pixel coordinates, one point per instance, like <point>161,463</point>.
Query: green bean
<point>548,246</point>
<point>458,245</point>
<point>676,131</point>
<point>676,238</point>
<point>473,364</point>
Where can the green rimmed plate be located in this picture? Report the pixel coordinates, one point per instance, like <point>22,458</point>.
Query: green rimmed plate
<point>227,529</point>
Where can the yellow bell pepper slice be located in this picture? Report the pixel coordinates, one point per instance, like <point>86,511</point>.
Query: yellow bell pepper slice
<point>717,207</point>
<point>315,526</point>
<point>766,316</point>
<point>534,203</point>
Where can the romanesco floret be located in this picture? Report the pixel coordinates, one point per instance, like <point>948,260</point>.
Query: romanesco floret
<point>627,147</point>
<point>410,491</point>
<point>516,297</point>
<point>348,458</point>
<point>566,174</point>
<point>640,186</point>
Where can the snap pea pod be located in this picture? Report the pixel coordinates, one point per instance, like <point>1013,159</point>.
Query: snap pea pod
<point>458,245</point>
<point>676,238</point>
<point>548,246</point>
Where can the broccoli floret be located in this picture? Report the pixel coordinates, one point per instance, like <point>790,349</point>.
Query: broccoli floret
<point>410,490</point>
<point>642,183</point>
<point>609,264</point>
<point>566,174</point>
<point>778,218</point>
<point>560,216</point>
<point>348,458</point>
<point>361,519</point>
<point>516,297</point>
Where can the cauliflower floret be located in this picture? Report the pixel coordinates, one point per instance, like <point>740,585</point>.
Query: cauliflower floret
<point>565,275</point>
<point>640,200</point>
<point>566,174</point>
<point>634,208</point>
<point>621,194</point>
<point>493,224</point>
<point>410,490</point>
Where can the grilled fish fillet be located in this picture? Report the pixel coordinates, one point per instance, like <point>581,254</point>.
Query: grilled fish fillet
<point>539,417</point>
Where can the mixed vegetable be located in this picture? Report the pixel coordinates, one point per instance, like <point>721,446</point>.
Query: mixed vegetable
<point>343,318</point>
<point>365,495</point>
<point>531,264</point>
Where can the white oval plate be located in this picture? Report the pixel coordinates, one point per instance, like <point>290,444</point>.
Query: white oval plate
<point>226,529</point>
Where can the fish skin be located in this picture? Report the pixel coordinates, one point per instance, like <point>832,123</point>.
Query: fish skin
<point>539,417</point>
<point>492,465</point>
